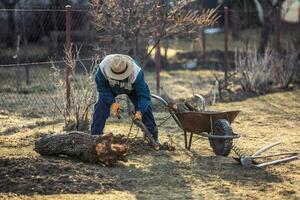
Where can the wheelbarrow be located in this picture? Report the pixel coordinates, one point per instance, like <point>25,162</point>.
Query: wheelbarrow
<point>214,125</point>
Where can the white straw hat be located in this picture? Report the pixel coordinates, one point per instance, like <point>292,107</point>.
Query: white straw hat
<point>118,66</point>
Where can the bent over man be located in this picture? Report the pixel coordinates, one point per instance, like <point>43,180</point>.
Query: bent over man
<point>120,74</point>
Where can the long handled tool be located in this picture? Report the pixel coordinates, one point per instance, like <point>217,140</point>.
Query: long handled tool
<point>147,134</point>
<point>145,130</point>
<point>250,161</point>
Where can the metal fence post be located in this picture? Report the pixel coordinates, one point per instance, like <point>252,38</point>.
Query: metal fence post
<point>225,45</point>
<point>157,54</point>
<point>68,50</point>
<point>17,57</point>
<point>203,46</point>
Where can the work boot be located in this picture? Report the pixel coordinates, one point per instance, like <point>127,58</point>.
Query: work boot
<point>165,146</point>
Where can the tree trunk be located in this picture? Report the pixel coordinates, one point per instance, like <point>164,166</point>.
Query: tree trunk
<point>269,10</point>
<point>236,21</point>
<point>106,149</point>
<point>25,43</point>
<point>53,36</point>
<point>264,35</point>
<point>11,33</point>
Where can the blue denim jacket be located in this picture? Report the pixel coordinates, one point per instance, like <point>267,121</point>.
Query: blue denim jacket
<point>108,93</point>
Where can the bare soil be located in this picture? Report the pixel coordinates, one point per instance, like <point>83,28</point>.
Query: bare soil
<point>46,175</point>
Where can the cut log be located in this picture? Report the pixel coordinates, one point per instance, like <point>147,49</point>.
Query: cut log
<point>106,149</point>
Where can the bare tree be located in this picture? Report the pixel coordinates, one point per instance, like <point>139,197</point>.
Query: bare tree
<point>130,26</point>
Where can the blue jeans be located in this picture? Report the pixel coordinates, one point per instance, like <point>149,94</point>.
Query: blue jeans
<point>102,112</point>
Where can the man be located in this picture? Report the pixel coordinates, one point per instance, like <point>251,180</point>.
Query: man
<point>120,74</point>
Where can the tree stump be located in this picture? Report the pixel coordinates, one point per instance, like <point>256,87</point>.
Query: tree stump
<point>107,149</point>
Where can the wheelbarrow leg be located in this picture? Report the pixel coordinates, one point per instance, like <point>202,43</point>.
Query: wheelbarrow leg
<point>190,142</point>
<point>185,140</point>
<point>186,143</point>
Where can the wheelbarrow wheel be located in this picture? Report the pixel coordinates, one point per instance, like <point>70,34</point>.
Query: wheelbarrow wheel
<point>221,147</point>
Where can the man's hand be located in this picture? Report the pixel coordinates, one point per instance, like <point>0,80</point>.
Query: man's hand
<point>116,110</point>
<point>138,115</point>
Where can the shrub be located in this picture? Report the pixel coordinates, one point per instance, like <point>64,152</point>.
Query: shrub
<point>256,71</point>
<point>286,67</point>
<point>82,94</point>
<point>260,73</point>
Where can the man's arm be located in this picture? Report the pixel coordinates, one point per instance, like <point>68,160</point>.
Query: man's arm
<point>105,92</point>
<point>143,92</point>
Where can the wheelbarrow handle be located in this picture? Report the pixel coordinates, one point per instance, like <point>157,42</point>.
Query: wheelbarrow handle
<point>167,105</point>
<point>202,100</point>
<point>164,102</point>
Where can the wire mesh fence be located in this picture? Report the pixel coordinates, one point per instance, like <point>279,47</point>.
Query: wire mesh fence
<point>25,87</point>
<point>31,39</point>
<point>37,35</point>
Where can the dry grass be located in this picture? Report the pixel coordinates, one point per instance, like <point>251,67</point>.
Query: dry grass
<point>195,174</point>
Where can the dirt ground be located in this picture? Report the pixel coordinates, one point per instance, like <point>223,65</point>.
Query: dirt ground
<point>182,174</point>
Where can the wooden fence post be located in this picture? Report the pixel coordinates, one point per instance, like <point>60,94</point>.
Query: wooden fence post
<point>157,54</point>
<point>68,64</point>
<point>225,45</point>
<point>18,72</point>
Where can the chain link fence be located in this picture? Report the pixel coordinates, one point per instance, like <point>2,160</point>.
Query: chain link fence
<point>31,42</point>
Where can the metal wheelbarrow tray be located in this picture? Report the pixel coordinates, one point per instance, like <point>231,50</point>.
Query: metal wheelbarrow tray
<point>215,125</point>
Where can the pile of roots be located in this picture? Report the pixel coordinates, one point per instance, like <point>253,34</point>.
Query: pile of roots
<point>107,149</point>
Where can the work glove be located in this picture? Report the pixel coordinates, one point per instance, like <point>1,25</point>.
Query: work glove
<point>138,115</point>
<point>172,106</point>
<point>116,110</point>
